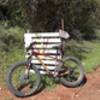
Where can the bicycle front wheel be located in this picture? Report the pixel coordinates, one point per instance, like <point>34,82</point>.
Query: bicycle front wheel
<point>21,85</point>
<point>74,72</point>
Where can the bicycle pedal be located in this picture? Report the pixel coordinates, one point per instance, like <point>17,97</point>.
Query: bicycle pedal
<point>58,69</point>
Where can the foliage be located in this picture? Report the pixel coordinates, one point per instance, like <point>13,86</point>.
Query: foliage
<point>92,57</point>
<point>14,12</point>
<point>76,14</point>
<point>11,48</point>
<point>3,2</point>
<point>11,37</point>
<point>87,51</point>
<point>45,15</point>
<point>81,17</point>
<point>49,82</point>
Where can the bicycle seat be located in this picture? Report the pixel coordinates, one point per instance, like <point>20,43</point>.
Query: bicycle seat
<point>57,46</point>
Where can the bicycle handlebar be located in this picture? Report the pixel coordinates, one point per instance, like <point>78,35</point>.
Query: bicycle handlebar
<point>30,46</point>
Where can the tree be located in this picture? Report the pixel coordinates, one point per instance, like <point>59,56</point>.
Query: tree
<point>45,15</point>
<point>3,2</point>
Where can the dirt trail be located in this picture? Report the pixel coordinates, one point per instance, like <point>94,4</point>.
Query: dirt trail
<point>90,91</point>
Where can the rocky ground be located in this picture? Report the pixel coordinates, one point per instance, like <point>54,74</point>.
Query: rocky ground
<point>89,91</point>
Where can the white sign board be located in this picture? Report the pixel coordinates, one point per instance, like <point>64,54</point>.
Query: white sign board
<point>44,43</point>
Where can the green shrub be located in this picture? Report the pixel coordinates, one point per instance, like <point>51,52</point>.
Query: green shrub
<point>11,37</point>
<point>11,48</point>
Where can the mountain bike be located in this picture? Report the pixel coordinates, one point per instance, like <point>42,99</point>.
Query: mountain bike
<point>24,78</point>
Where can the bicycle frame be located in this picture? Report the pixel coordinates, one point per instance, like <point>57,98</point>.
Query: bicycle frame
<point>37,54</point>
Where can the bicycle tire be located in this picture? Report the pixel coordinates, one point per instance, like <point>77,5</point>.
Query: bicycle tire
<point>80,79</point>
<point>11,86</point>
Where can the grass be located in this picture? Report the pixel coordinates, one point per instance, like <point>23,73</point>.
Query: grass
<point>7,59</point>
<point>11,49</point>
<point>92,57</point>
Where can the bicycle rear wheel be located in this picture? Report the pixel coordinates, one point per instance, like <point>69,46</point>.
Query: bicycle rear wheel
<point>21,85</point>
<point>74,72</point>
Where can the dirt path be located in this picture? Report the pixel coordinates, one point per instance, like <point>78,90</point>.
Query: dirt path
<point>90,91</point>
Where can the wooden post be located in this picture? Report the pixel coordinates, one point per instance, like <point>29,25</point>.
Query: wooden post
<point>62,24</point>
<point>62,47</point>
